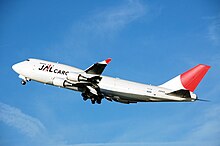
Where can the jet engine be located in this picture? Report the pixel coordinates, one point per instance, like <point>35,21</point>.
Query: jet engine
<point>59,82</point>
<point>62,82</point>
<point>76,77</point>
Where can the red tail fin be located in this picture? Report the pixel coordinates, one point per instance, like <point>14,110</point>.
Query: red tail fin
<point>191,78</point>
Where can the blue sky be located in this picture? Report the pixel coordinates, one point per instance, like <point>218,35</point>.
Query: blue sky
<point>149,42</point>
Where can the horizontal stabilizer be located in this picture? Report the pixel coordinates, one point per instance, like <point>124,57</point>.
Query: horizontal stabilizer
<point>181,93</point>
<point>203,100</point>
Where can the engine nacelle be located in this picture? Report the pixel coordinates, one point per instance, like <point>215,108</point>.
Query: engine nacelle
<point>73,77</point>
<point>59,82</point>
<point>76,77</point>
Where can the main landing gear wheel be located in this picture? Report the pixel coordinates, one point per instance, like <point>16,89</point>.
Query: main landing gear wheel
<point>93,100</point>
<point>99,101</point>
<point>23,82</point>
<point>84,96</point>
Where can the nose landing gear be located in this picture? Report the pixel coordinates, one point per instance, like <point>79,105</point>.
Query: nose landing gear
<point>23,82</point>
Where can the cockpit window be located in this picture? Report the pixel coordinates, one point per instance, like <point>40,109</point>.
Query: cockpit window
<point>27,60</point>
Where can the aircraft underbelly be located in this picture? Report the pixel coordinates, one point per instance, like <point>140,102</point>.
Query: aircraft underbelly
<point>124,95</point>
<point>139,97</point>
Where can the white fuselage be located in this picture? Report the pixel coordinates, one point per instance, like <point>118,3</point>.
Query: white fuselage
<point>117,89</point>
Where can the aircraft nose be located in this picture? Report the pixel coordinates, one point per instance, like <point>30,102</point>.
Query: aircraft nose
<point>16,67</point>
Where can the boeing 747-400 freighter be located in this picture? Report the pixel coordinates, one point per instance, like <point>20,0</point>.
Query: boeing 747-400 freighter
<point>96,87</point>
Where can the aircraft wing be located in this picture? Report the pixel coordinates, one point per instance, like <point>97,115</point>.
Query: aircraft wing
<point>98,67</point>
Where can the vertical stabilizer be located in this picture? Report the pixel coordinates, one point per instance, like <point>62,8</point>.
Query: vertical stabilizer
<point>189,80</point>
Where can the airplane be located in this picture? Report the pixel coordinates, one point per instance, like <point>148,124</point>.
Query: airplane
<point>94,86</point>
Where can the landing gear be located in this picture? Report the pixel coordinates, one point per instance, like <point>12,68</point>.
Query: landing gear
<point>24,79</point>
<point>99,101</point>
<point>23,82</point>
<point>84,96</point>
<point>93,100</point>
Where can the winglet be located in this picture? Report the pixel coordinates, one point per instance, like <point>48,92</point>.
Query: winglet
<point>98,67</point>
<point>108,60</point>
